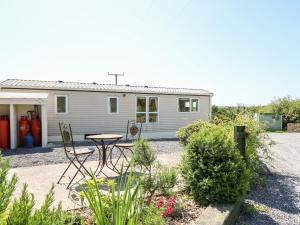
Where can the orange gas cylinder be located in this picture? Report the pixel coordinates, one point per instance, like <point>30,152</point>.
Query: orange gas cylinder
<point>23,129</point>
<point>4,132</point>
<point>36,130</point>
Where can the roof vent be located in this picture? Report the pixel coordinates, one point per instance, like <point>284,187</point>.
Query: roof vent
<point>60,81</point>
<point>128,85</point>
<point>94,83</point>
<point>146,86</point>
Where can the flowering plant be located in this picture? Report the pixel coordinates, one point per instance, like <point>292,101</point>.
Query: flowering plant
<point>168,210</point>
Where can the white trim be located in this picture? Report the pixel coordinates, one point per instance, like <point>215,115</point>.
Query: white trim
<point>147,108</point>
<point>67,104</point>
<point>108,105</point>
<point>190,100</point>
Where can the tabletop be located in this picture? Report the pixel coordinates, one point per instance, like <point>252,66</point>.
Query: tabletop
<point>104,136</point>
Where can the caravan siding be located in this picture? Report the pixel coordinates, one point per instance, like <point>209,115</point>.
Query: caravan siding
<point>88,112</point>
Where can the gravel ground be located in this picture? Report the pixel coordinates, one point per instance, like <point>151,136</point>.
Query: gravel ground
<point>278,201</point>
<point>55,155</point>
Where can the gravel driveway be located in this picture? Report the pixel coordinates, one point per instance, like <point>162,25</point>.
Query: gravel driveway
<point>56,155</point>
<point>279,200</point>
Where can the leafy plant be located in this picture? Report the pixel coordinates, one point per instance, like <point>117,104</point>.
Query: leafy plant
<point>155,177</point>
<point>287,107</point>
<point>184,133</point>
<point>126,206</point>
<point>151,215</point>
<point>250,209</point>
<point>21,212</point>
<point>7,187</point>
<point>143,154</point>
<point>21,208</point>
<point>213,168</point>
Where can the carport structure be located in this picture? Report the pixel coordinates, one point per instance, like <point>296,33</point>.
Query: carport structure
<point>11,101</point>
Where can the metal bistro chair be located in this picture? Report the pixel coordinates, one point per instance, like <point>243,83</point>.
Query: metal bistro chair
<point>77,156</point>
<point>133,133</point>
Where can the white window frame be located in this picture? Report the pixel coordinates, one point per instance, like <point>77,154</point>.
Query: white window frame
<point>108,105</point>
<point>67,104</point>
<point>147,108</point>
<point>190,99</point>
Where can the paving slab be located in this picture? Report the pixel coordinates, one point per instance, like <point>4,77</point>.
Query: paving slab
<point>41,178</point>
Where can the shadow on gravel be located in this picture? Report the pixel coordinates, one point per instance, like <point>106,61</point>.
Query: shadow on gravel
<point>279,193</point>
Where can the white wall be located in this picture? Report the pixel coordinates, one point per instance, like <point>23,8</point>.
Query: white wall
<point>88,113</point>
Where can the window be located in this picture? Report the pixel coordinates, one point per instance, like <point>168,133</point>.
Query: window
<point>61,104</point>
<point>188,104</point>
<point>113,104</point>
<point>147,109</point>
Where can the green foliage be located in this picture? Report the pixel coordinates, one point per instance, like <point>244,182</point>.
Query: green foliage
<point>184,133</point>
<point>256,137</point>
<point>287,107</point>
<point>126,206</point>
<point>212,167</point>
<point>250,209</point>
<point>151,215</point>
<point>7,187</point>
<point>155,177</point>
<point>143,155</point>
<point>21,208</point>
<point>21,212</point>
<point>228,113</point>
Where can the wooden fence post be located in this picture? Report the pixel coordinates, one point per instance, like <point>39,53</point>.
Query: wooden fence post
<point>240,139</point>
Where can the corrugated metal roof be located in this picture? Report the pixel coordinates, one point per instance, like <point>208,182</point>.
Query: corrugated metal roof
<point>60,85</point>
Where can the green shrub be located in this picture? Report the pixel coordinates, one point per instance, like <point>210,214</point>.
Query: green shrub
<point>151,215</point>
<point>184,133</point>
<point>143,154</point>
<point>155,177</point>
<point>7,187</point>
<point>21,209</point>
<point>213,168</point>
<point>21,212</point>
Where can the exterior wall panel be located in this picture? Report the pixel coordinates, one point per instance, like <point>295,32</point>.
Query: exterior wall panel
<point>88,112</point>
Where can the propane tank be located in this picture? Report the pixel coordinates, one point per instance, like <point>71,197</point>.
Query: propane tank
<point>4,132</point>
<point>36,130</point>
<point>23,129</point>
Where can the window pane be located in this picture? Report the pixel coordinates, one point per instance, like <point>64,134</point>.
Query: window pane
<point>141,117</point>
<point>153,117</point>
<point>113,105</point>
<point>61,104</point>
<point>184,104</point>
<point>194,105</point>
<point>153,104</point>
<point>141,104</point>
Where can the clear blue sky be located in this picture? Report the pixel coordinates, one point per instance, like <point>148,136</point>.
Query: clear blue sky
<point>244,51</point>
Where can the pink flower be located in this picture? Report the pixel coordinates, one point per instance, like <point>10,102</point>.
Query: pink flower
<point>168,211</point>
<point>160,202</point>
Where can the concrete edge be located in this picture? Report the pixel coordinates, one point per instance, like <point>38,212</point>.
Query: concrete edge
<point>220,214</point>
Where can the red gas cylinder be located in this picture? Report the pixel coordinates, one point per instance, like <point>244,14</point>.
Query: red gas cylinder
<point>4,132</point>
<point>23,129</point>
<point>36,130</point>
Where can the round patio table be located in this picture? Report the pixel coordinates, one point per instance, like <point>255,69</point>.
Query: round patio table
<point>103,143</point>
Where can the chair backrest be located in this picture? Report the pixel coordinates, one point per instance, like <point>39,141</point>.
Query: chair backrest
<point>134,130</point>
<point>67,136</point>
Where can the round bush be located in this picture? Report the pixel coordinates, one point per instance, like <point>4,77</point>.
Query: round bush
<point>213,168</point>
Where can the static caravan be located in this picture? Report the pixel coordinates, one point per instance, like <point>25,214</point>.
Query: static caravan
<point>101,108</point>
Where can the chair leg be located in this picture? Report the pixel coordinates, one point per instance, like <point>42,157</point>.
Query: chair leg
<point>65,171</point>
<point>78,170</point>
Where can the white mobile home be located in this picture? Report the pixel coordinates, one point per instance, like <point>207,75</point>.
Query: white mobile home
<point>101,108</point>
